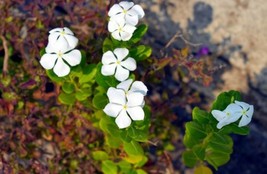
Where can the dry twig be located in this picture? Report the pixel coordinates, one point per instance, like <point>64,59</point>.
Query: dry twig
<point>5,64</point>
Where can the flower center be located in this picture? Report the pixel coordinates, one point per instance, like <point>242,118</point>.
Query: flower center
<point>244,112</point>
<point>118,62</point>
<point>120,29</point>
<point>125,107</point>
<point>62,33</point>
<point>228,114</point>
<point>124,11</point>
<point>59,54</point>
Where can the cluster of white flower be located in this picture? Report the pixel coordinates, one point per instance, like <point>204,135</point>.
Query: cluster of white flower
<point>126,101</point>
<point>232,113</point>
<point>61,52</point>
<point>123,19</point>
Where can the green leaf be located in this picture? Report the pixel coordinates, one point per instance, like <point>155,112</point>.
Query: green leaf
<point>89,72</point>
<point>68,87</point>
<point>140,53</point>
<point>83,94</point>
<point>224,99</point>
<point>233,128</point>
<point>216,158</point>
<point>140,171</point>
<point>124,166</point>
<point>54,77</point>
<point>100,101</point>
<point>199,151</point>
<point>109,167</point>
<point>202,170</point>
<point>189,158</point>
<point>133,148</point>
<point>105,81</point>
<point>68,99</point>
<point>113,142</point>
<point>100,155</point>
<point>139,33</point>
<point>195,132</point>
<point>200,115</point>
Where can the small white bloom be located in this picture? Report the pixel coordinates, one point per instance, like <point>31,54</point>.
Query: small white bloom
<point>128,11</point>
<point>227,116</point>
<point>120,30</point>
<point>129,87</point>
<point>118,63</point>
<point>61,35</point>
<point>58,56</point>
<point>124,109</point>
<point>246,112</point>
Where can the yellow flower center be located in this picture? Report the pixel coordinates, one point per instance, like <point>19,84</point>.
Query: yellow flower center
<point>244,112</point>
<point>120,29</point>
<point>124,11</point>
<point>60,54</point>
<point>228,114</point>
<point>125,107</point>
<point>62,33</point>
<point>118,62</point>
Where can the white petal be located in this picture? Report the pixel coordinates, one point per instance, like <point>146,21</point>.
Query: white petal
<point>115,9</point>
<point>108,58</point>
<point>68,31</point>
<point>108,70</point>
<point>125,36</point>
<point>139,86</point>
<point>125,85</point>
<point>246,119</point>
<point>48,61</point>
<point>136,113</point>
<point>73,58</point>
<point>56,30</point>
<point>123,120</point>
<point>121,73</point>
<point>112,26</point>
<point>221,124</point>
<point>61,69</point>
<point>72,41</point>
<point>135,99</point>
<point>242,104</point>
<point>50,49</point>
<point>233,108</point>
<point>53,37</point>
<point>132,20</point>
<point>61,45</point>
<point>116,96</point>
<point>121,53</point>
<point>113,110</point>
<point>218,115</point>
<point>129,28</point>
<point>126,5</point>
<point>139,10</point>
<point>129,64</point>
<point>116,35</point>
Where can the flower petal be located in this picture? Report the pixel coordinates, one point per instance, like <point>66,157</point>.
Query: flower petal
<point>222,123</point>
<point>116,96</point>
<point>113,110</point>
<point>53,37</point>
<point>139,86</point>
<point>135,99</point>
<point>73,58</point>
<point>112,25</point>
<point>132,20</point>
<point>121,73</point>
<point>243,105</point>
<point>129,64</point>
<point>129,28</point>
<point>126,5</point>
<point>68,31</point>
<point>233,108</point>
<point>56,30</point>
<point>108,58</point>
<point>108,70</point>
<point>61,45</point>
<point>125,85</point>
<point>218,115</point>
<point>125,36</point>
<point>136,113</point>
<point>61,69</point>
<point>246,119</point>
<point>139,10</point>
<point>72,41</point>
<point>115,9</point>
<point>48,61</point>
<point>121,53</point>
<point>116,35</point>
<point>123,120</point>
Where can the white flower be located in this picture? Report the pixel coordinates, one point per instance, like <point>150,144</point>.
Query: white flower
<point>246,112</point>
<point>120,30</point>
<point>124,109</point>
<point>61,35</point>
<point>232,113</point>
<point>130,87</point>
<point>58,55</point>
<point>228,116</point>
<point>118,63</point>
<point>128,11</point>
